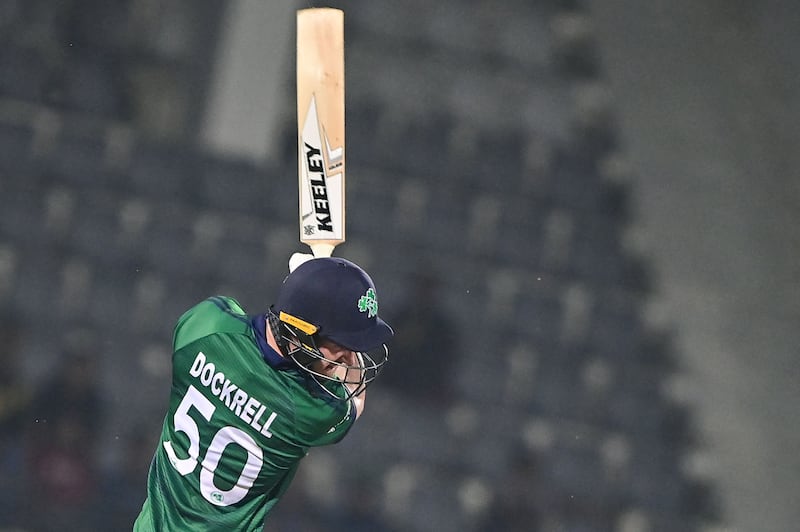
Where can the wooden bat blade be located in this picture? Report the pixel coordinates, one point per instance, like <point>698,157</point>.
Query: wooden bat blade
<point>320,125</point>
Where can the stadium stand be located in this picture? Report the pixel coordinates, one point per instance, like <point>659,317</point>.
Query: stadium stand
<point>481,145</point>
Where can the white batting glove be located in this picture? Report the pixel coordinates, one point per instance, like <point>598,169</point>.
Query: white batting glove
<point>297,259</point>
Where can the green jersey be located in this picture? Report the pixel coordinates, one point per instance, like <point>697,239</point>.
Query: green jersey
<point>240,419</point>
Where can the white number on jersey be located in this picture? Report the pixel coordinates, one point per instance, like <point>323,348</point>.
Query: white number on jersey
<point>225,436</point>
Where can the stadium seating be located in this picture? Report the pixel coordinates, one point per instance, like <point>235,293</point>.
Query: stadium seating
<point>469,144</point>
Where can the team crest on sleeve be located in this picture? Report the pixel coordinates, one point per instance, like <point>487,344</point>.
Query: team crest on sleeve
<point>369,303</point>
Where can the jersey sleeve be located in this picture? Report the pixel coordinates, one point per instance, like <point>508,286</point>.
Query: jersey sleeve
<point>332,428</point>
<point>215,314</point>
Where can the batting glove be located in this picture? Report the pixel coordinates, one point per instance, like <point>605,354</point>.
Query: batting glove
<point>297,259</point>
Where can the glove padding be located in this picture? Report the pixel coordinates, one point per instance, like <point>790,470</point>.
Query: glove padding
<point>297,259</point>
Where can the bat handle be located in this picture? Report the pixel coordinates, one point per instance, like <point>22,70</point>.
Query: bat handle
<point>321,249</point>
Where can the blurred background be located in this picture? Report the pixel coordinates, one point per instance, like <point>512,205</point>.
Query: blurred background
<point>582,217</point>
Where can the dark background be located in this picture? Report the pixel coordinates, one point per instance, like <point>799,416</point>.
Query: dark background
<point>581,218</point>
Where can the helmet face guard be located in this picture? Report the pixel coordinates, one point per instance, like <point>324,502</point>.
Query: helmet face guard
<point>300,341</point>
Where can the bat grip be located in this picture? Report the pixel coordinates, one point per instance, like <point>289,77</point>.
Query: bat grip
<point>321,249</point>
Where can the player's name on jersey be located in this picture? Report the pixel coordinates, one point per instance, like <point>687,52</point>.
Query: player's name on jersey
<point>241,403</point>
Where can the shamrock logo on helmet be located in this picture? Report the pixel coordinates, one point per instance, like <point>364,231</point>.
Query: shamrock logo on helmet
<point>368,303</point>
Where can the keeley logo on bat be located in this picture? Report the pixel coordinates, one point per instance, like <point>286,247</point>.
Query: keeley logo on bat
<point>322,190</point>
<point>319,190</point>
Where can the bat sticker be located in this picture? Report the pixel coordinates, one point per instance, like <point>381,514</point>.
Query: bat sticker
<point>321,194</point>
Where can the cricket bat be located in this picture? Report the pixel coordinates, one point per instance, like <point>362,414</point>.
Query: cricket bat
<point>320,128</point>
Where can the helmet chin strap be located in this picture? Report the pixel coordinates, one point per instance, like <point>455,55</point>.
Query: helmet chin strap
<point>275,329</point>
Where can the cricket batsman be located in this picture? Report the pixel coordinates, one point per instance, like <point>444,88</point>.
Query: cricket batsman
<point>251,394</point>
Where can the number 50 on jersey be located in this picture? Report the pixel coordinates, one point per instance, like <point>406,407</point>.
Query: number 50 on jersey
<point>320,125</point>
